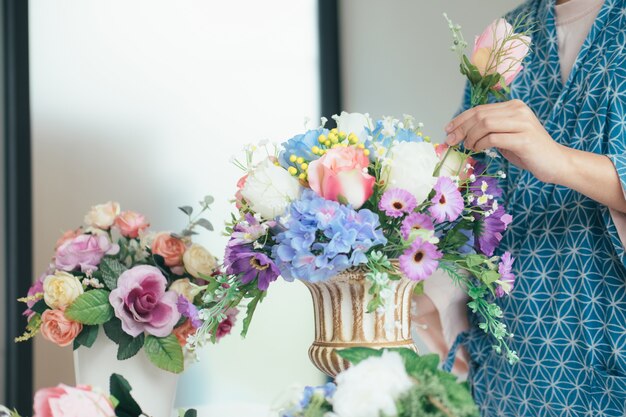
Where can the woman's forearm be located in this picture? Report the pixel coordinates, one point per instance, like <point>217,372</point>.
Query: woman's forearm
<point>593,175</point>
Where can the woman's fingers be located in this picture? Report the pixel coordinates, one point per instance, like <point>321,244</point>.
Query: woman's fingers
<point>461,125</point>
<point>504,141</point>
<point>496,121</point>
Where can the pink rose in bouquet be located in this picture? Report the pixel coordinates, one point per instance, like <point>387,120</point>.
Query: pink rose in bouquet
<point>130,223</point>
<point>58,329</point>
<point>227,324</point>
<point>142,304</point>
<point>64,401</point>
<point>499,51</point>
<point>170,248</point>
<point>84,251</point>
<point>341,175</point>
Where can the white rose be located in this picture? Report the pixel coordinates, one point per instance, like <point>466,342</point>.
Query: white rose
<point>61,289</point>
<point>356,123</point>
<point>102,216</point>
<point>185,288</point>
<point>371,388</point>
<point>269,189</point>
<point>198,261</point>
<point>411,167</point>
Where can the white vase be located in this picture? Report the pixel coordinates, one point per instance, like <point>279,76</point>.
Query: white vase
<point>342,321</point>
<point>152,388</point>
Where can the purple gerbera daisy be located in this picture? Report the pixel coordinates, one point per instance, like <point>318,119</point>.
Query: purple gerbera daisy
<point>415,221</point>
<point>243,260</point>
<point>490,229</point>
<point>397,202</point>
<point>447,202</point>
<point>507,278</point>
<point>420,260</point>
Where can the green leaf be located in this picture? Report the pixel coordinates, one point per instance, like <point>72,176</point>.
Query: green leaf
<point>92,307</point>
<point>40,306</point>
<point>165,352</point>
<point>191,413</point>
<point>474,260</point>
<point>129,346</point>
<point>250,311</point>
<point>111,270</point>
<point>120,389</point>
<point>186,209</point>
<point>113,329</point>
<point>489,276</point>
<point>358,354</point>
<point>471,71</point>
<point>420,364</point>
<point>87,337</point>
<point>205,223</point>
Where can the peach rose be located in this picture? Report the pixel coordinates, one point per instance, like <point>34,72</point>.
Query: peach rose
<point>170,248</point>
<point>130,223</point>
<point>58,329</point>
<point>498,51</point>
<point>183,331</point>
<point>341,175</point>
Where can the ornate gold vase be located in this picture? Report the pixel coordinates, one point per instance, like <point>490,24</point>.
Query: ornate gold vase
<point>342,321</point>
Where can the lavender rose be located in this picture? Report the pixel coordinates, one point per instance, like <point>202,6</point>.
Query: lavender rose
<point>142,304</point>
<point>84,251</point>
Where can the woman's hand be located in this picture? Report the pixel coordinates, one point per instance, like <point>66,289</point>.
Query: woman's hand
<point>513,128</point>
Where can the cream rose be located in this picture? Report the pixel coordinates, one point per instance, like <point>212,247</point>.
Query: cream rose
<point>269,189</point>
<point>61,289</point>
<point>198,261</point>
<point>185,288</point>
<point>102,216</point>
<point>411,167</point>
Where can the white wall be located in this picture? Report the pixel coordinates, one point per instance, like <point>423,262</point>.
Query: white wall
<point>396,56</point>
<point>143,102</point>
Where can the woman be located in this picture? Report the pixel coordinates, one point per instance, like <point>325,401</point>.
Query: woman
<point>563,146</point>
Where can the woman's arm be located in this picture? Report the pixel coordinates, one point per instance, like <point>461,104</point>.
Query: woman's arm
<point>513,128</point>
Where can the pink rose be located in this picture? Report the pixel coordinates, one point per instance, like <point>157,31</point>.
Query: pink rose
<point>170,248</point>
<point>84,251</point>
<point>142,304</point>
<point>58,329</point>
<point>64,401</point>
<point>498,51</point>
<point>69,235</point>
<point>341,175</point>
<point>130,223</point>
<point>225,327</point>
<point>238,196</point>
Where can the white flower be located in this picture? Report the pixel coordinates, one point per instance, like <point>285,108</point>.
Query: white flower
<point>102,216</point>
<point>411,168</point>
<point>199,262</point>
<point>269,189</point>
<point>389,126</point>
<point>371,388</point>
<point>61,289</point>
<point>356,123</point>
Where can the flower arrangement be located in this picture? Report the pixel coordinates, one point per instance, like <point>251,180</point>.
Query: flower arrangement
<point>374,194</point>
<point>392,383</point>
<point>141,286</point>
<point>66,401</point>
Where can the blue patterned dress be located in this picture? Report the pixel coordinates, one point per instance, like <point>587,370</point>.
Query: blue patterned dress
<point>568,309</point>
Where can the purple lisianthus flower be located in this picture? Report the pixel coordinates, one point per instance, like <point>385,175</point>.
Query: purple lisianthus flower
<point>245,261</point>
<point>142,304</point>
<point>84,251</point>
<point>415,221</point>
<point>249,230</point>
<point>507,278</point>
<point>187,309</point>
<point>490,229</point>
<point>420,260</point>
<point>397,202</point>
<point>447,204</point>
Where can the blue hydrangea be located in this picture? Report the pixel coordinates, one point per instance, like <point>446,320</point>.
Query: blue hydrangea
<point>402,135</point>
<point>301,145</point>
<point>323,238</point>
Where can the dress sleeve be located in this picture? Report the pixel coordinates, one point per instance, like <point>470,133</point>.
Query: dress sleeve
<point>616,138</point>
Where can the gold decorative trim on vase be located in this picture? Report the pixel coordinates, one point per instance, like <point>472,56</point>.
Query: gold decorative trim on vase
<point>342,320</point>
